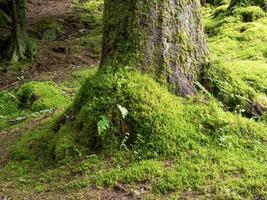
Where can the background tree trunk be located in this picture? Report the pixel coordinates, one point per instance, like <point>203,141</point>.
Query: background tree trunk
<point>20,47</point>
<point>161,37</point>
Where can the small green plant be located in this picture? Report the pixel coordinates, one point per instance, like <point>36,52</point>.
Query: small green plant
<point>103,126</point>
<point>124,142</point>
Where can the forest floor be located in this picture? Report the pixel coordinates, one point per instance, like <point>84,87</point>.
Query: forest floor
<point>57,60</point>
<point>59,54</point>
<point>68,37</point>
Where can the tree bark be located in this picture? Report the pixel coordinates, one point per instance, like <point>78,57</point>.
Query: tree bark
<point>162,37</point>
<point>20,47</point>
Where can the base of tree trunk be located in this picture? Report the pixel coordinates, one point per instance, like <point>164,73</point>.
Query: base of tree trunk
<point>20,48</point>
<point>161,38</point>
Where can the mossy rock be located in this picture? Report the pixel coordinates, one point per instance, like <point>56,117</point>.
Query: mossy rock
<point>38,96</point>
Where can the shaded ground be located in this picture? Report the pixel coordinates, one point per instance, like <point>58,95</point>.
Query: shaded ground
<point>56,59</point>
<point>88,194</point>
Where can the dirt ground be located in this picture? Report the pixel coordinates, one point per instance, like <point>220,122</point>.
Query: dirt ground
<point>54,61</point>
<point>40,9</point>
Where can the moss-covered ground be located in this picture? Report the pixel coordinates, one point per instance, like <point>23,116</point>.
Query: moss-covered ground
<point>237,43</point>
<point>124,136</point>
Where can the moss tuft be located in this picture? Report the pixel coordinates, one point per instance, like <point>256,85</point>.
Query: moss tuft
<point>249,14</point>
<point>8,103</point>
<point>38,96</point>
<point>244,3</point>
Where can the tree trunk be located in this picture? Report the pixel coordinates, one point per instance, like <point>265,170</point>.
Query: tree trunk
<point>20,47</point>
<point>161,37</point>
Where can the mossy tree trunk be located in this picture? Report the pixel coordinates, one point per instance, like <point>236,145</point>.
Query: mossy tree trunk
<point>20,47</point>
<point>161,37</point>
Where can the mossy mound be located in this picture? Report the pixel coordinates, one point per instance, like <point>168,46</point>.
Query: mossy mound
<point>244,3</point>
<point>38,96</point>
<point>237,90</point>
<point>31,100</point>
<point>101,117</point>
<point>131,111</point>
<point>249,14</point>
<point>237,45</point>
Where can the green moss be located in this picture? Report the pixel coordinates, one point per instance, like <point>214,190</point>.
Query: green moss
<point>142,171</point>
<point>249,14</point>
<point>221,10</point>
<point>84,74</point>
<point>64,146</point>
<point>218,2</point>
<point>244,3</point>
<point>41,95</point>
<point>178,178</point>
<point>236,42</point>
<point>8,107</point>
<point>165,130</point>
<point>8,103</point>
<point>153,137</point>
<point>93,11</point>
<point>34,145</point>
<point>227,87</point>
<point>100,96</point>
<point>49,29</point>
